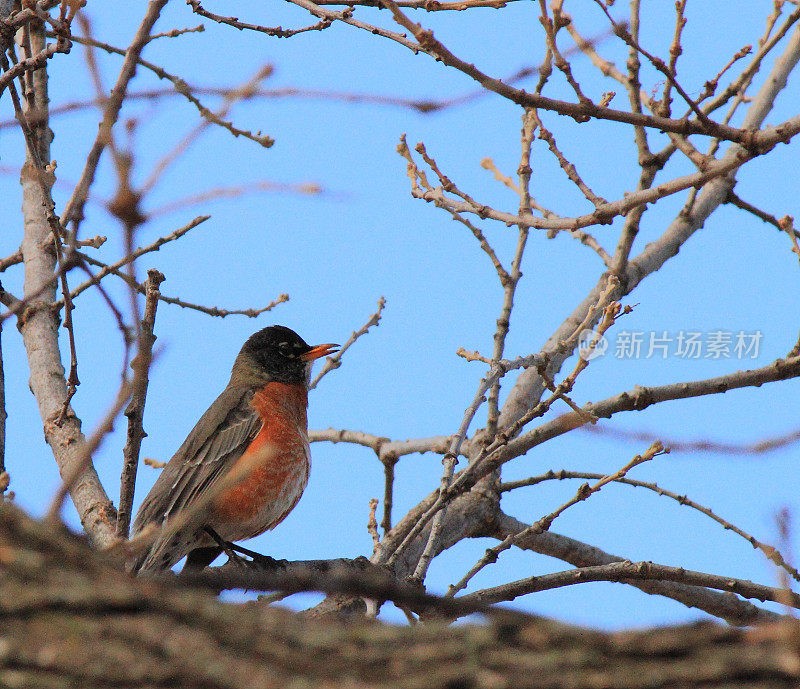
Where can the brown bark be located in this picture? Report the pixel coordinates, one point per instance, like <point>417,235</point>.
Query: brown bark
<point>72,617</point>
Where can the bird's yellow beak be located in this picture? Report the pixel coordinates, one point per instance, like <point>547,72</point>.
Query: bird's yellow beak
<point>319,351</point>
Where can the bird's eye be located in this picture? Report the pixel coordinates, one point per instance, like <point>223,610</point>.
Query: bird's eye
<point>285,349</point>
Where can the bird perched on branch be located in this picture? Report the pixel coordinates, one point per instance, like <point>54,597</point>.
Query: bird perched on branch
<point>245,464</point>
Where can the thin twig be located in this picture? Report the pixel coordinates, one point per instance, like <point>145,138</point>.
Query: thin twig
<point>183,89</point>
<point>768,551</point>
<point>335,361</point>
<point>16,258</point>
<point>12,260</point>
<point>543,524</point>
<point>135,409</point>
<point>551,28</point>
<point>29,64</point>
<point>569,168</point>
<point>736,200</point>
<point>276,31</point>
<point>388,493</point>
<point>73,211</point>
<point>786,223</point>
<point>208,310</point>
<point>427,5</point>
<point>674,53</point>
<point>372,522</point>
<point>244,92</point>
<point>621,31</point>
<point>236,191</point>
<point>174,33</point>
<point>713,446</point>
<point>154,246</point>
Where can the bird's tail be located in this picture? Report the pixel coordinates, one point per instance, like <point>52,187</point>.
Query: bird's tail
<point>163,554</point>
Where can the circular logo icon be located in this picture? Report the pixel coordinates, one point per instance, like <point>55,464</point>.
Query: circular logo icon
<point>591,345</point>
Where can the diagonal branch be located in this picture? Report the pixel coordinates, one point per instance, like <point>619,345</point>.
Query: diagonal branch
<point>73,211</point>
<point>544,524</point>
<point>733,610</point>
<point>581,112</point>
<point>769,551</point>
<point>335,361</point>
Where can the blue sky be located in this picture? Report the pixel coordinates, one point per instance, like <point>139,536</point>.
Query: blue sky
<point>365,237</point>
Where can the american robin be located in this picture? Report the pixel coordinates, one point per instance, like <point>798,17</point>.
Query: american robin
<point>245,464</point>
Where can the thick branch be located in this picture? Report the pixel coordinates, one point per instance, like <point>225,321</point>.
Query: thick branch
<point>70,618</point>
<point>39,328</point>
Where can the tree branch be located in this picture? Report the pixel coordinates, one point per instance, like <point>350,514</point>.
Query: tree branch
<point>137,633</point>
<point>135,410</point>
<point>73,211</point>
<point>723,605</point>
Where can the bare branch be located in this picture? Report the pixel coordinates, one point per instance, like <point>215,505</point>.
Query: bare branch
<point>39,328</point>
<point>372,522</point>
<point>244,92</point>
<point>174,33</point>
<point>627,571</point>
<point>543,524</point>
<point>568,167</point>
<point>154,246</point>
<point>636,399</point>
<point>759,447</point>
<point>12,260</point>
<point>135,410</point>
<point>73,211</point>
<point>335,361</point>
<point>304,188</point>
<point>383,447</point>
<point>208,310</point>
<point>729,608</point>
<point>31,63</point>
<point>182,88</point>
<point>579,111</point>
<point>769,551</point>
<point>277,31</point>
<point>529,385</point>
<point>427,5</point>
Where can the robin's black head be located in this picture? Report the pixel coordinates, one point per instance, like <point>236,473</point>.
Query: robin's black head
<point>279,354</point>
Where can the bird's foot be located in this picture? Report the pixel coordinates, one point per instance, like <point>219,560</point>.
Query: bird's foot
<point>258,560</point>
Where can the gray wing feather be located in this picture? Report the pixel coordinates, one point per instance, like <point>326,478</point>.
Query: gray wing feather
<point>223,431</point>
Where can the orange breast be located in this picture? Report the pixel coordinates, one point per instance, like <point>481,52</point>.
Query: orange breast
<point>277,460</point>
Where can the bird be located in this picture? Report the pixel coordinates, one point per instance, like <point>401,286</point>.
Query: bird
<point>244,465</point>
